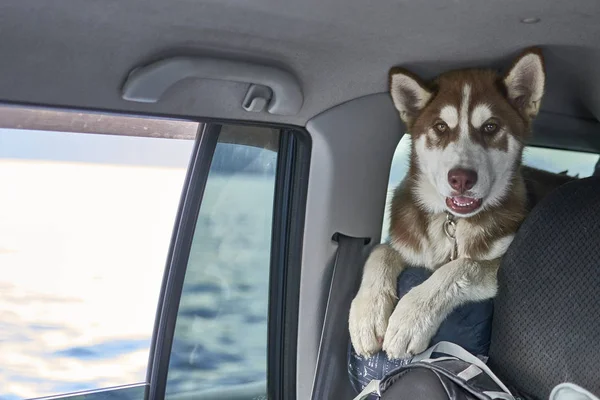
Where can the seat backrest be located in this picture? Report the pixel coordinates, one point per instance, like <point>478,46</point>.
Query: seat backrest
<point>546,327</point>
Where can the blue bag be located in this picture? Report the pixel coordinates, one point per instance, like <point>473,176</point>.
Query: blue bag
<point>469,326</point>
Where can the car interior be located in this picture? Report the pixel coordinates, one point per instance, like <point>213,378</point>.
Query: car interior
<point>317,71</point>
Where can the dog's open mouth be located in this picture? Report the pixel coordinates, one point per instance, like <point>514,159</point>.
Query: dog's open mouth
<point>463,204</point>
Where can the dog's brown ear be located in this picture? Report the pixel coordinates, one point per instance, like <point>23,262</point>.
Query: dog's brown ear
<point>525,81</point>
<point>409,94</point>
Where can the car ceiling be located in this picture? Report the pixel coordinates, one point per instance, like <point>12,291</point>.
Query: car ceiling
<point>78,53</point>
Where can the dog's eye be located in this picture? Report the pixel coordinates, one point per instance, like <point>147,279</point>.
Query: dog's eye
<point>489,127</point>
<point>440,127</point>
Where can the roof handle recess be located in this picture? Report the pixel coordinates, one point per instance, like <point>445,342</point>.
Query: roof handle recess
<point>273,87</point>
<point>257,98</point>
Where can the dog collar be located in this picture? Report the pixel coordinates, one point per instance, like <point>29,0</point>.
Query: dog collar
<point>450,231</point>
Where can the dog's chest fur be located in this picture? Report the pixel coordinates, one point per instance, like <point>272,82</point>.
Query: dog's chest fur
<point>422,241</point>
<point>435,247</point>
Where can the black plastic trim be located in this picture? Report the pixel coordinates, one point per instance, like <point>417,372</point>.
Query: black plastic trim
<point>286,259</point>
<point>336,238</point>
<point>177,259</point>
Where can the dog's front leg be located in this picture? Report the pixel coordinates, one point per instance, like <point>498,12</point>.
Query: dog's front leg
<point>420,312</point>
<point>375,300</point>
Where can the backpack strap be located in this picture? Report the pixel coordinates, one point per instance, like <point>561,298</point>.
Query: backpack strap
<point>371,388</point>
<point>455,350</point>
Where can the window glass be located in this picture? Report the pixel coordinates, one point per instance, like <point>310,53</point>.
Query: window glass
<point>553,160</point>
<point>220,336</point>
<point>85,226</point>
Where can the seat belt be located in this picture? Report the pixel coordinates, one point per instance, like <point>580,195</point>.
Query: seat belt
<point>331,375</point>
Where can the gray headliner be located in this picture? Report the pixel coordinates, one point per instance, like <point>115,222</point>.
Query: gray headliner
<point>78,52</point>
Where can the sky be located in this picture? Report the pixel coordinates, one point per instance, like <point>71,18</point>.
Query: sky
<point>123,150</point>
<point>108,149</point>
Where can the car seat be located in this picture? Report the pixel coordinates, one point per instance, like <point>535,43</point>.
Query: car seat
<point>546,324</point>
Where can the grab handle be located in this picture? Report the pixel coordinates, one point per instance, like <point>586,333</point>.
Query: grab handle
<point>148,83</point>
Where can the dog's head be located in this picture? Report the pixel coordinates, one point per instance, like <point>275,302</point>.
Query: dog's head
<point>468,128</point>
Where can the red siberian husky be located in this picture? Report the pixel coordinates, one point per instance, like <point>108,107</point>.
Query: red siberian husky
<point>457,210</point>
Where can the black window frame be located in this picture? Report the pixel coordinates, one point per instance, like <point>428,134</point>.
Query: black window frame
<point>289,212</point>
<point>291,186</point>
<point>177,259</point>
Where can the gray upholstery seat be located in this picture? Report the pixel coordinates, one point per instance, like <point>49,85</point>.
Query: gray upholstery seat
<point>546,327</point>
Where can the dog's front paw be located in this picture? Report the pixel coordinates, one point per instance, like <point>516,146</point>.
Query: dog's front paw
<point>411,326</point>
<point>369,314</point>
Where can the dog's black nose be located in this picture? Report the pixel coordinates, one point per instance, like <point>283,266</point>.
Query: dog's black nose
<point>461,179</point>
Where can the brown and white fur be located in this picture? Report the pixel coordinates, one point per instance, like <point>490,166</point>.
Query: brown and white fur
<point>468,130</point>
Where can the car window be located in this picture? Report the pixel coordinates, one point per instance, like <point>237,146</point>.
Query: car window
<point>554,160</point>
<point>220,338</point>
<point>87,211</point>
